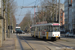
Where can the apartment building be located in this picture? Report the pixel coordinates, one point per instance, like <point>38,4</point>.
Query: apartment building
<point>70,15</point>
<point>62,22</point>
<point>73,16</point>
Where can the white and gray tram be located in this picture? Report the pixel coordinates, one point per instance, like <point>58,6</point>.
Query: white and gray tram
<point>46,31</point>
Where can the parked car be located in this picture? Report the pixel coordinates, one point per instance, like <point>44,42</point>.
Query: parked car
<point>68,34</point>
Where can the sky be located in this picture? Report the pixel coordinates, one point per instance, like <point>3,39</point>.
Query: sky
<point>20,13</point>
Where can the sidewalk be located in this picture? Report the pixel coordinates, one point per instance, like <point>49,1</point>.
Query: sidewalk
<point>11,43</point>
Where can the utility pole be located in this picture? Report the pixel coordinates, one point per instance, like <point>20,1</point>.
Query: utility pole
<point>34,16</point>
<point>56,10</point>
<point>53,11</point>
<point>68,14</point>
<point>59,11</point>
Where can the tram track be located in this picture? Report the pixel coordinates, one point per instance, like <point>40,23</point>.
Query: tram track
<point>54,43</point>
<point>22,43</point>
<point>59,45</point>
<point>49,44</point>
<point>27,42</point>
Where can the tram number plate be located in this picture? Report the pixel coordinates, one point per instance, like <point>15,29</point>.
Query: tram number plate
<point>56,36</point>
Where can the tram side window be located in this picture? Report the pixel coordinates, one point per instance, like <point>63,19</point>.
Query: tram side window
<point>38,28</point>
<point>45,28</point>
<point>48,28</point>
<point>51,29</point>
<point>33,29</point>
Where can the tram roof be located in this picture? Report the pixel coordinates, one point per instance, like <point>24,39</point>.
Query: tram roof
<point>18,27</point>
<point>44,24</point>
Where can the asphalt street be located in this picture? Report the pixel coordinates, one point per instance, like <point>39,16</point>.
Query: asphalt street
<point>31,43</point>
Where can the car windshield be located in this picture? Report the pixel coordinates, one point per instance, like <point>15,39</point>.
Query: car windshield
<point>17,29</point>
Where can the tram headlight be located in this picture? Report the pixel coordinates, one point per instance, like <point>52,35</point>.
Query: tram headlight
<point>58,34</point>
<point>53,34</point>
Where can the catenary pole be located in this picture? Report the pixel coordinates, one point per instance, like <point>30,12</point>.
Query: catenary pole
<point>59,11</point>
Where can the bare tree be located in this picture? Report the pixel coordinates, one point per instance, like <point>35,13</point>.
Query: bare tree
<point>11,8</point>
<point>47,13</point>
<point>26,22</point>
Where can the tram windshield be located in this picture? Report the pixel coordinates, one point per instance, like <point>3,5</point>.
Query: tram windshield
<point>56,28</point>
<point>17,29</point>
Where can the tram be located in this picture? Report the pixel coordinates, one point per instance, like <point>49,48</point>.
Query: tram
<point>46,31</point>
<point>18,30</point>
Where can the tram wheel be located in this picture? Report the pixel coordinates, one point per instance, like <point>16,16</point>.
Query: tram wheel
<point>36,36</point>
<point>59,37</point>
<point>44,38</point>
<point>32,36</point>
<point>53,39</point>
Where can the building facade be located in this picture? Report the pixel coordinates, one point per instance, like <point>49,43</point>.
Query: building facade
<point>70,15</point>
<point>62,22</point>
<point>73,12</point>
<point>1,23</point>
<point>66,14</point>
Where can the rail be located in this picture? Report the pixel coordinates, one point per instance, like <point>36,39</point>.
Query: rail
<point>20,43</point>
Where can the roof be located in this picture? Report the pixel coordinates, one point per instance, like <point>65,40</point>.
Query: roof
<point>18,27</point>
<point>45,24</point>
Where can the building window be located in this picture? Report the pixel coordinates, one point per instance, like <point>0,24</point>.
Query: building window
<point>70,3</point>
<point>61,19</point>
<point>61,23</point>
<point>73,26</point>
<point>61,14</point>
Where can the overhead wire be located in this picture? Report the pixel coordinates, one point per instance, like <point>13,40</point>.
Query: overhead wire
<point>35,4</point>
<point>28,5</point>
<point>21,9</point>
<point>31,3</point>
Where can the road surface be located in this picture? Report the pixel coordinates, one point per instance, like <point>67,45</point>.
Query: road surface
<point>31,43</point>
